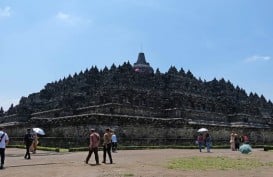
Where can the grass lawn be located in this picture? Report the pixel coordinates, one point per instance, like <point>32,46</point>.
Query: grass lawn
<point>215,163</point>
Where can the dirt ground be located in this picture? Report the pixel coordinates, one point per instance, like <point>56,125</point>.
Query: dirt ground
<point>136,163</point>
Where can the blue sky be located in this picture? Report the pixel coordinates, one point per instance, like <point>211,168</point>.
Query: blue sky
<point>43,41</point>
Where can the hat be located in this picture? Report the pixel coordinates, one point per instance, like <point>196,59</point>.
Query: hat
<point>92,129</point>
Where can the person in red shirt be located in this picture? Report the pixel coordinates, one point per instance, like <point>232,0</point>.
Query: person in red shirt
<point>246,140</point>
<point>200,141</point>
<point>93,146</point>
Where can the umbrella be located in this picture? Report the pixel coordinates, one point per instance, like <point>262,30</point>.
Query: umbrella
<point>202,130</point>
<point>245,148</point>
<point>39,131</point>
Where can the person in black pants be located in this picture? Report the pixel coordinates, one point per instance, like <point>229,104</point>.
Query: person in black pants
<point>93,146</point>
<point>4,139</point>
<point>28,142</point>
<point>107,145</point>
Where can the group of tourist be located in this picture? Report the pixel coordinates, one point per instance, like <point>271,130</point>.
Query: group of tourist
<point>204,139</point>
<point>109,144</point>
<point>31,142</point>
<point>236,140</point>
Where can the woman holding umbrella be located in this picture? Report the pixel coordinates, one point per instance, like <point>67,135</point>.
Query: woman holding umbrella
<point>34,143</point>
<point>201,139</point>
<point>36,132</point>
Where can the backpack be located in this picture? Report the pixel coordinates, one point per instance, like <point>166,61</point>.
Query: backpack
<point>28,138</point>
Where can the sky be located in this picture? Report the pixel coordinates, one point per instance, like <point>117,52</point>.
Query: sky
<point>44,41</point>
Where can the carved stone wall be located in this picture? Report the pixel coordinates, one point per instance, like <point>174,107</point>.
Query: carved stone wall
<point>73,131</point>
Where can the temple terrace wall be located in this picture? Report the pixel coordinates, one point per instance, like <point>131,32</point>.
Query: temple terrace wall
<point>73,131</point>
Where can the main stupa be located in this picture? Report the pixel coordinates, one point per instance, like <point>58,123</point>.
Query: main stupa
<point>141,65</point>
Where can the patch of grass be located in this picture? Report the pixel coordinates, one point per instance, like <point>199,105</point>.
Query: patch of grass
<point>78,149</point>
<point>213,163</point>
<point>128,174</point>
<point>269,164</point>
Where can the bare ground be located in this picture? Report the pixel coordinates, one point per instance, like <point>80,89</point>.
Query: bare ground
<point>136,163</point>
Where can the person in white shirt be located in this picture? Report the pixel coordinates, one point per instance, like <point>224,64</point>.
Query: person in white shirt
<point>4,140</point>
<point>114,142</point>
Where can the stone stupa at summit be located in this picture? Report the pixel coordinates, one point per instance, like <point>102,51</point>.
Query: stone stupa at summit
<point>141,65</point>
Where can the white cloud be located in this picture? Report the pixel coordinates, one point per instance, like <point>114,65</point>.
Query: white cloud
<point>256,58</point>
<point>63,16</point>
<point>70,19</point>
<point>6,12</point>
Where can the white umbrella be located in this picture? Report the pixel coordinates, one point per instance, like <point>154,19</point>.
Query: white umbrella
<point>202,130</point>
<point>39,131</point>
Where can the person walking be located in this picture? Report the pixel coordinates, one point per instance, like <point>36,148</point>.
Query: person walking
<point>237,142</point>
<point>107,145</point>
<point>232,141</point>
<point>208,141</point>
<point>93,146</point>
<point>4,140</point>
<point>200,141</point>
<point>35,142</point>
<point>114,142</point>
<point>28,139</point>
